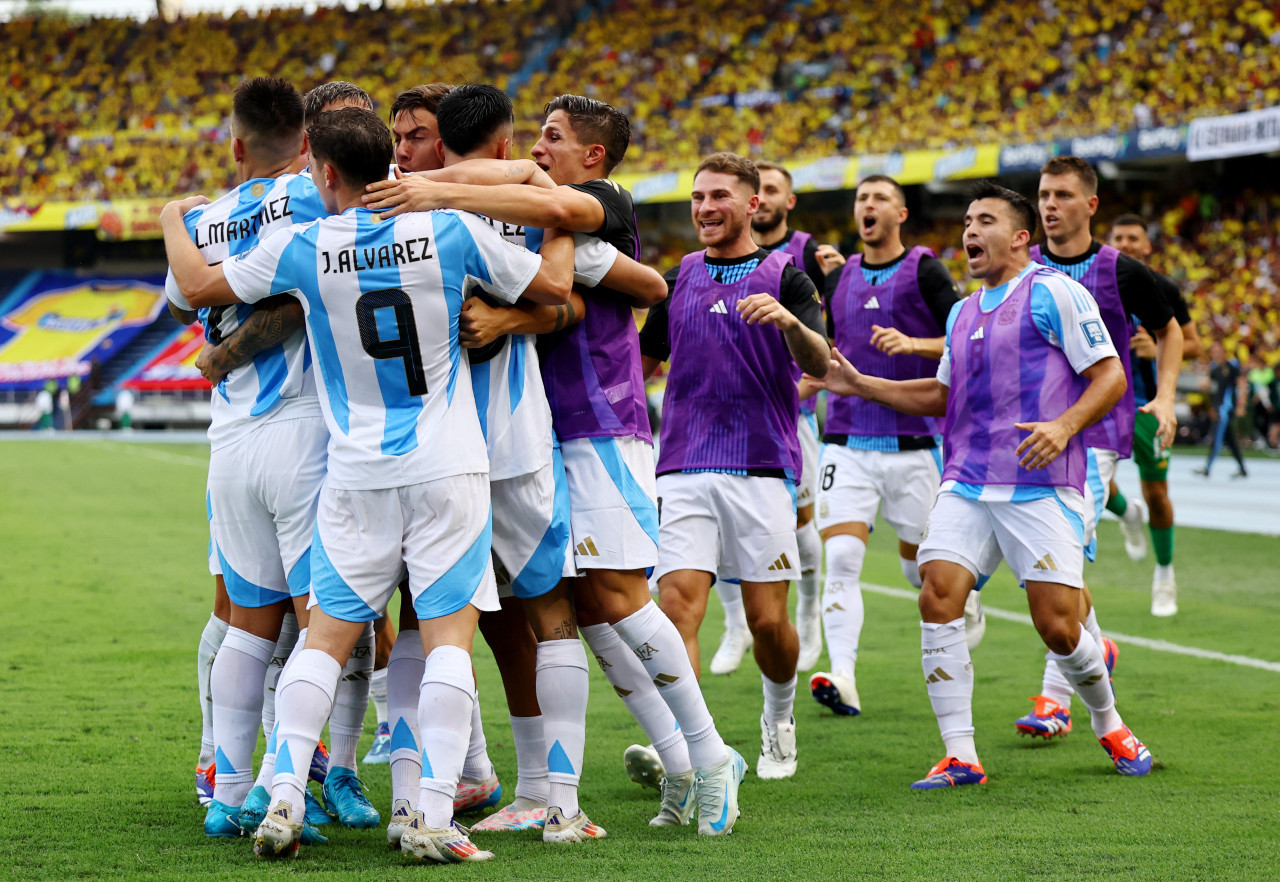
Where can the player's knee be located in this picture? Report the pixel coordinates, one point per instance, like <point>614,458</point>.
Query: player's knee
<point>1060,634</point>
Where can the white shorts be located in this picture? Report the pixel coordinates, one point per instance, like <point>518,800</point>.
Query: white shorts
<point>1040,538</point>
<point>855,483</point>
<point>736,526</point>
<point>438,532</point>
<point>262,509</point>
<point>1097,490</point>
<point>612,503</point>
<point>810,450</point>
<point>215,565</point>
<point>531,547</point>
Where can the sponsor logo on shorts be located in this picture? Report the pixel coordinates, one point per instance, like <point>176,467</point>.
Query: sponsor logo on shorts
<point>587,548</point>
<point>1046,563</point>
<point>782,563</point>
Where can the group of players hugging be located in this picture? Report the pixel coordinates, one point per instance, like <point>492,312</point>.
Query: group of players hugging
<point>428,377</point>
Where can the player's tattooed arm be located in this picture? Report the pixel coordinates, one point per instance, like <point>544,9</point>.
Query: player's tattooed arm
<point>481,323</point>
<point>923,397</point>
<point>809,348</point>
<point>272,321</point>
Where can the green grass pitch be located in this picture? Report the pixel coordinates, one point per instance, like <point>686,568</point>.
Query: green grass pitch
<point>104,595</point>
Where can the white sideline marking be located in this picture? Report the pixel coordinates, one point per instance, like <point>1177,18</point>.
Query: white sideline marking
<point>164,455</point>
<point>1144,642</point>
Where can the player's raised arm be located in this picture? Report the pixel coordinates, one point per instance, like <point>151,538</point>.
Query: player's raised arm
<point>563,207</point>
<point>201,284</point>
<point>554,282</point>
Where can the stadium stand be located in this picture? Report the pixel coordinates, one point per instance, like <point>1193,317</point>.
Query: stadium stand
<point>780,79</point>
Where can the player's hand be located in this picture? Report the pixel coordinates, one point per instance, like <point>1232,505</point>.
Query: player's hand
<point>842,377</point>
<point>479,324</point>
<point>1045,443</point>
<point>405,193</point>
<point>182,206</point>
<point>1141,344</point>
<point>1165,417</point>
<point>828,258</point>
<point>205,364</point>
<point>891,341</point>
<point>764,309</point>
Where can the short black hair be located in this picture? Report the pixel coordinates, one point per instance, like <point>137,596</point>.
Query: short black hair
<point>1129,220</point>
<point>313,103</point>
<point>268,114</point>
<point>595,122</point>
<point>1023,211</point>
<point>883,179</point>
<point>355,141</point>
<point>469,116</point>
<point>425,97</point>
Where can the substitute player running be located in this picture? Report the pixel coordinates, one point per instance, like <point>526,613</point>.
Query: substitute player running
<point>407,485</point>
<point>1028,364</point>
<point>737,320</point>
<point>770,230</point>
<point>1122,287</point>
<point>1129,235</point>
<point>887,311</point>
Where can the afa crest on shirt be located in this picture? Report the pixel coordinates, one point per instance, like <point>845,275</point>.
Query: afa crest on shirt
<point>258,189</point>
<point>1008,315</point>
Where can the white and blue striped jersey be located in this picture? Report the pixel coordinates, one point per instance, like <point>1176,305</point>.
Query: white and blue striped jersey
<point>382,299</point>
<point>510,398</point>
<point>278,383</point>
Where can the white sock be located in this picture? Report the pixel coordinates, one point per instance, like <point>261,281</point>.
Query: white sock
<point>351,703</point>
<point>658,645</point>
<point>210,639</point>
<point>810,544</point>
<point>1163,573</point>
<point>948,676</point>
<point>444,718</point>
<point>284,648</point>
<point>735,614</point>
<point>531,759</point>
<point>779,700</point>
<point>477,766</point>
<point>404,682</point>
<point>1091,625</point>
<point>842,612</point>
<point>563,685</point>
<point>630,680</point>
<point>378,694</point>
<point>304,700</point>
<point>1087,672</point>
<point>267,771</point>
<point>911,571</point>
<point>235,683</point>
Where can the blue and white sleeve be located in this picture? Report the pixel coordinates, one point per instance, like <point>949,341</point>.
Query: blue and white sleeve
<point>1068,317</point>
<point>263,270</point>
<point>944,364</point>
<point>510,267</point>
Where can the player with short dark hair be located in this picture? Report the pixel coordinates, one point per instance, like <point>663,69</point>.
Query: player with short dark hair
<point>333,95</point>
<point>1129,235</point>
<point>414,128</point>
<point>1012,483</point>
<point>887,311</point>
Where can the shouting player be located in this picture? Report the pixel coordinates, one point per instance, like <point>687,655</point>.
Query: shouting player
<point>1013,479</point>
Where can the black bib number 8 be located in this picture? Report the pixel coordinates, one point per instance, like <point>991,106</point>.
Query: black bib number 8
<point>404,345</point>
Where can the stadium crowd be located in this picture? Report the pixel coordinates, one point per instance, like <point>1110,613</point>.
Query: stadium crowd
<point>781,79</point>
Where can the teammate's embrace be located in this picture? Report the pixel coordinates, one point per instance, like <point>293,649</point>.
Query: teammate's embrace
<point>407,482</point>
<point>1028,365</point>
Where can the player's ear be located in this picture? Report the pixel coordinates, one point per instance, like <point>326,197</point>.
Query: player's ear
<point>595,156</point>
<point>237,150</point>
<point>438,147</point>
<point>1021,239</point>
<point>1093,204</point>
<point>902,215</point>
<point>504,148</point>
<point>306,145</point>
<point>331,177</point>
<point>753,205</point>
<point>791,201</point>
